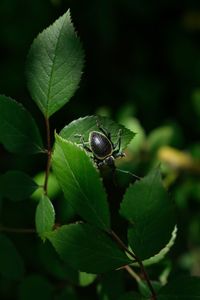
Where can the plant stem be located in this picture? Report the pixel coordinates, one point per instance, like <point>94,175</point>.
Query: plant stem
<point>121,244</point>
<point>48,155</point>
<point>124,247</point>
<point>16,230</point>
<point>132,273</point>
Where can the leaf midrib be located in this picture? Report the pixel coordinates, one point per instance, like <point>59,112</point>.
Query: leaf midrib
<point>52,69</point>
<point>83,193</point>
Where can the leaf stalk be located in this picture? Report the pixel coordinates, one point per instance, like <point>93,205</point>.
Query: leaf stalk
<point>49,152</point>
<point>136,258</point>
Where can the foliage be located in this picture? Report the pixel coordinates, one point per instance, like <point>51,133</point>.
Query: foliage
<point>112,223</point>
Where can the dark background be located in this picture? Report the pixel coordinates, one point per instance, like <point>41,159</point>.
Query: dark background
<point>140,54</point>
<point>144,52</point>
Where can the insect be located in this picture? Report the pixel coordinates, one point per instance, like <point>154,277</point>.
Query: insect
<point>101,146</point>
<point>103,149</point>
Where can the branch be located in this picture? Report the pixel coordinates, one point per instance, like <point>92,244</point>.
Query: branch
<point>16,230</point>
<point>48,155</point>
<point>124,247</point>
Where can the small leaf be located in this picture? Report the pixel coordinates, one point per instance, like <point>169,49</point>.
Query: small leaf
<point>11,263</point>
<point>35,287</point>
<point>54,65</point>
<point>87,249</point>
<point>18,131</point>
<point>17,185</point>
<point>85,125</point>
<point>86,279</point>
<point>53,186</point>
<point>158,257</point>
<point>45,216</point>
<point>183,288</point>
<point>151,214</point>
<point>81,183</point>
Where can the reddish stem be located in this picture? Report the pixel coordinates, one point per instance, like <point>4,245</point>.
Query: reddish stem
<point>48,155</point>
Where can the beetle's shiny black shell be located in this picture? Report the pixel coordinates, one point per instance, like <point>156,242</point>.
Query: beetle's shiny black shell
<point>100,145</point>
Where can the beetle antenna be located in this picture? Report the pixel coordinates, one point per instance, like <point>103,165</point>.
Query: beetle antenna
<point>129,173</point>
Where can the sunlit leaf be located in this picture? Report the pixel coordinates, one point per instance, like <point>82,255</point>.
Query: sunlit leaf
<point>85,125</point>
<point>81,183</point>
<point>45,216</point>
<point>53,188</point>
<point>54,65</point>
<point>87,249</point>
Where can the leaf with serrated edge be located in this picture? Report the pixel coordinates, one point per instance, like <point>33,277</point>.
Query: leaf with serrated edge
<point>87,248</point>
<point>151,214</point>
<point>87,124</point>
<point>159,256</point>
<point>44,217</point>
<point>81,183</point>
<point>18,130</point>
<point>54,65</point>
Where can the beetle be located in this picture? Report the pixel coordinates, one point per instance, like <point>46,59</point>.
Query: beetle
<point>101,146</point>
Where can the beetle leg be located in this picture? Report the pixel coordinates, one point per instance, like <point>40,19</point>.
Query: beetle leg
<point>118,154</point>
<point>104,130</point>
<point>83,142</point>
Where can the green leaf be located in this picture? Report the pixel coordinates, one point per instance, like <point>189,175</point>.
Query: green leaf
<point>54,65</point>
<point>11,263</point>
<point>151,214</point>
<point>81,183</point>
<point>53,186</point>
<point>86,279</point>
<point>35,287</point>
<point>183,288</point>
<point>44,217</point>
<point>18,131</point>
<point>139,140</point>
<point>144,288</point>
<point>85,125</point>
<point>17,185</point>
<point>158,257</point>
<point>54,266</point>
<point>87,249</point>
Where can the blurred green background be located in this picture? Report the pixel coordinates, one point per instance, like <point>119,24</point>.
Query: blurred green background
<point>142,69</point>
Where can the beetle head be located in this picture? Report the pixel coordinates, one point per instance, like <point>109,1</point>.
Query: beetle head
<point>110,161</point>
